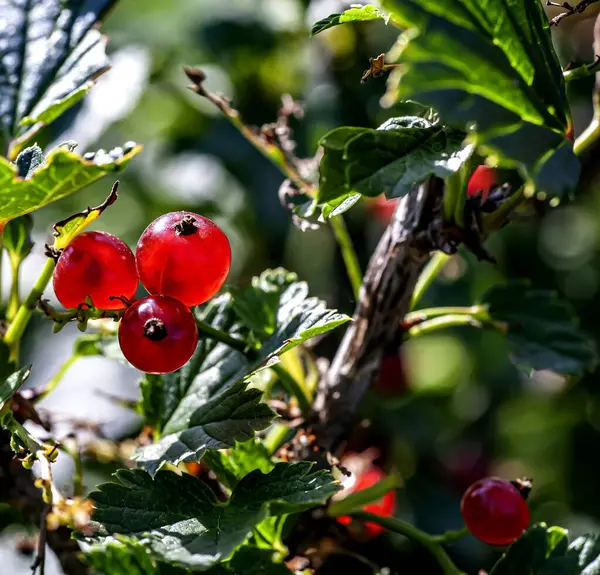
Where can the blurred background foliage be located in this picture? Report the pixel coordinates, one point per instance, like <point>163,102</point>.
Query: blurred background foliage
<point>460,410</point>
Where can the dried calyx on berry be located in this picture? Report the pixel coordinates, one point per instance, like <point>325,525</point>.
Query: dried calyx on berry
<point>186,226</point>
<point>524,486</point>
<point>155,329</point>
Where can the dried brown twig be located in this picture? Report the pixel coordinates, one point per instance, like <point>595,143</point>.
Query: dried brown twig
<point>570,10</point>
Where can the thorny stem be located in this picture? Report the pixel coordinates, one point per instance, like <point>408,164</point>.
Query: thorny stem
<point>429,542</point>
<point>17,327</point>
<point>431,271</point>
<point>340,231</point>
<point>223,337</point>
<point>292,387</point>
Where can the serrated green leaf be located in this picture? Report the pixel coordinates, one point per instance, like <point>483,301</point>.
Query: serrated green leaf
<point>490,67</point>
<point>232,464</point>
<point>354,14</point>
<point>542,329</point>
<point>533,551</point>
<point>12,383</point>
<point>62,174</point>
<point>120,557</point>
<point>234,415</point>
<point>51,49</point>
<point>181,521</point>
<point>206,404</point>
<point>389,160</point>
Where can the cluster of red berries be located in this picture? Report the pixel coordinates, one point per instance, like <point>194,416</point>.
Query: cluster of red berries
<point>182,259</point>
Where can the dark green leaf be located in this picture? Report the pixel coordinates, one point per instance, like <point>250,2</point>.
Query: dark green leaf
<point>235,415</point>
<point>51,49</point>
<point>182,522</point>
<point>587,551</point>
<point>490,67</point>
<point>29,160</point>
<point>120,557</point>
<point>354,14</point>
<point>62,174</point>
<point>533,551</point>
<point>541,328</point>
<point>12,383</point>
<point>389,160</point>
<point>206,404</point>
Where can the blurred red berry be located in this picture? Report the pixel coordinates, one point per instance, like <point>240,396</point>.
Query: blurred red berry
<point>381,208</point>
<point>482,180</point>
<point>385,507</point>
<point>391,380</point>
<point>495,511</point>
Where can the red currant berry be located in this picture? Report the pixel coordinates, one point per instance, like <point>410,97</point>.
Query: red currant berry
<point>185,256</point>
<point>482,180</point>
<point>385,507</point>
<point>381,208</point>
<point>98,265</point>
<point>158,334</point>
<point>392,379</point>
<point>495,511</point>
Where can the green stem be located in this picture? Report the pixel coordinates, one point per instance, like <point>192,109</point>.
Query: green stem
<point>340,231</point>
<point>13,298</point>
<point>431,312</point>
<point>442,322</point>
<point>19,323</point>
<point>357,500</point>
<point>426,540</point>
<point>587,137</point>
<point>276,437</point>
<point>51,385</point>
<point>496,220</point>
<point>450,536</point>
<point>432,269</point>
<point>582,71</point>
<point>223,337</point>
<point>292,387</point>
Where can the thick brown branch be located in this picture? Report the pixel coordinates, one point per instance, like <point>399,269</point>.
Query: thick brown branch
<point>385,298</point>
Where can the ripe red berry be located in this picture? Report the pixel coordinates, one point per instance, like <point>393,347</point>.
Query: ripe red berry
<point>185,256</point>
<point>98,265</point>
<point>482,179</point>
<point>158,334</point>
<point>495,511</point>
<point>381,208</point>
<point>385,507</point>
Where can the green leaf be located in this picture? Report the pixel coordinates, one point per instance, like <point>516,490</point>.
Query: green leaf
<point>587,551</point>
<point>29,160</point>
<point>490,67</point>
<point>12,383</point>
<point>181,521</point>
<point>354,14</point>
<point>205,405</point>
<point>52,49</point>
<point>58,107</point>
<point>234,415</point>
<point>62,174</point>
<point>533,551</point>
<point>17,238</point>
<point>389,160</point>
<point>542,329</point>
<point>232,464</point>
<point>122,556</point>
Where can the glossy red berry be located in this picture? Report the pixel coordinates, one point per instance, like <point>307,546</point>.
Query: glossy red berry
<point>385,507</point>
<point>495,511</point>
<point>185,256</point>
<point>158,334</point>
<point>98,265</point>
<point>482,180</point>
<point>381,208</point>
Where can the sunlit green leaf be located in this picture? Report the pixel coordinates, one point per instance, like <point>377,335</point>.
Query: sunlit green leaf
<point>490,67</point>
<point>354,14</point>
<point>181,521</point>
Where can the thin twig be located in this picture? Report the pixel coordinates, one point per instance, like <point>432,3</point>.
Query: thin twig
<point>569,10</point>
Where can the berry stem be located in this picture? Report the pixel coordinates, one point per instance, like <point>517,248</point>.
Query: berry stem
<point>357,500</point>
<point>415,317</point>
<point>223,337</point>
<point>19,323</point>
<point>451,320</point>
<point>292,387</point>
<point>450,536</point>
<point>340,231</point>
<point>429,542</point>
<point>53,383</point>
<point>276,437</point>
<point>431,271</point>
